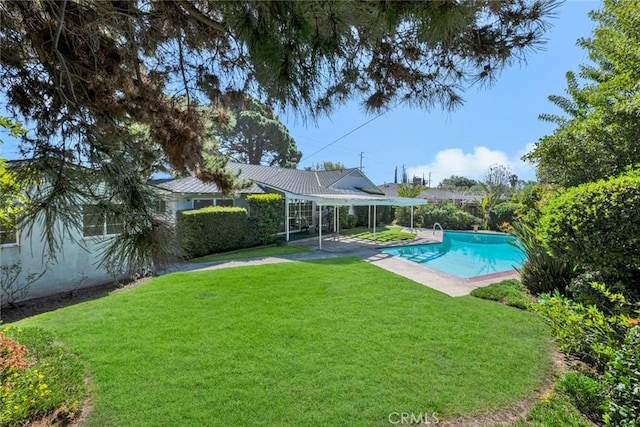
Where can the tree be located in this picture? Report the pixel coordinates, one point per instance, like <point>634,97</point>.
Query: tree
<point>457,183</point>
<point>85,71</point>
<point>496,184</point>
<point>598,133</point>
<point>410,190</point>
<point>258,136</point>
<point>12,197</point>
<point>326,166</point>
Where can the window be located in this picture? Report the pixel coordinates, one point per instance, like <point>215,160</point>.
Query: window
<point>8,235</point>
<point>201,203</point>
<point>161,206</point>
<point>227,203</point>
<point>97,222</point>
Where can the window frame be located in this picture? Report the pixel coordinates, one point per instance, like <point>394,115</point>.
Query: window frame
<point>104,222</point>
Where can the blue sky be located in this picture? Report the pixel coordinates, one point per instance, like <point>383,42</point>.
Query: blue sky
<point>495,125</point>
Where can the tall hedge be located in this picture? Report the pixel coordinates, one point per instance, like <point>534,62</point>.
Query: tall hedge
<point>268,212</point>
<point>214,229</point>
<point>597,225</point>
<point>447,215</point>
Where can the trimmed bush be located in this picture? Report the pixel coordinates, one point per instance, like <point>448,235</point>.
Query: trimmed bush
<point>597,226</point>
<point>215,229</point>
<point>268,212</point>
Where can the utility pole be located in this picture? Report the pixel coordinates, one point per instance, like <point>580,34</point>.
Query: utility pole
<point>361,157</point>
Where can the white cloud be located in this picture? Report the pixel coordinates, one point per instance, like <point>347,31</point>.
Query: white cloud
<point>454,161</point>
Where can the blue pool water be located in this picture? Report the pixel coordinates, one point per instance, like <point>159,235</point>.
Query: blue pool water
<point>465,254</point>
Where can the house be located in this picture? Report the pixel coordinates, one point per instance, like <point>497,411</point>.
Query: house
<point>309,197</point>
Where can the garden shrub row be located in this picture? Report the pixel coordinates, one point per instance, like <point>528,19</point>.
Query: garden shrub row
<point>215,229</point>
<point>447,215</point>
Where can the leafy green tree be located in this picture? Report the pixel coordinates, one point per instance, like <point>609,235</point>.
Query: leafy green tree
<point>326,166</point>
<point>457,183</point>
<point>410,190</point>
<point>257,136</point>
<point>598,133</point>
<point>12,197</point>
<point>496,184</point>
<point>84,71</point>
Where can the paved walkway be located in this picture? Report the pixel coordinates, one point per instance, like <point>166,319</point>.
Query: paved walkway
<point>334,246</point>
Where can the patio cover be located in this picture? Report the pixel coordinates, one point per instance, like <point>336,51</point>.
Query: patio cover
<point>350,199</point>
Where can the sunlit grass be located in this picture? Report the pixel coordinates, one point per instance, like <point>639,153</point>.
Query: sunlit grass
<point>331,342</point>
<point>265,251</point>
<point>382,234</point>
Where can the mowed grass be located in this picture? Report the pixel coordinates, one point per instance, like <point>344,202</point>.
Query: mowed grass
<point>383,234</point>
<point>330,342</point>
<point>264,251</point>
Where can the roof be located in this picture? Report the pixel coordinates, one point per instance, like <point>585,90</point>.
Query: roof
<point>337,187</point>
<point>431,194</point>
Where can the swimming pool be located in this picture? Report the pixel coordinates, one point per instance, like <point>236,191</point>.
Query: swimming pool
<point>465,254</point>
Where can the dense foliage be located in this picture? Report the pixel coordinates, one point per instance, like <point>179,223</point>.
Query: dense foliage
<point>40,380</point>
<point>267,210</point>
<point>125,87</point>
<point>447,215</point>
<point>505,212</point>
<point>541,271</point>
<point>597,137</point>
<point>214,229</point>
<point>607,339</point>
<point>256,136</point>
<point>596,225</point>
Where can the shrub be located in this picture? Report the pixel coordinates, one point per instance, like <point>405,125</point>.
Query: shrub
<point>597,226</point>
<point>581,289</point>
<point>623,378</point>
<point>501,213</point>
<point>215,229</point>
<point>587,394</point>
<point>449,216</point>
<point>268,211</point>
<point>587,332</point>
<point>541,272</point>
<point>38,378</point>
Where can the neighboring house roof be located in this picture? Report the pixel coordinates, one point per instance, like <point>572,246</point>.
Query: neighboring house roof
<point>431,194</point>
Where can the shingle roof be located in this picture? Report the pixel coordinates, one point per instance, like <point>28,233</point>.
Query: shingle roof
<point>289,180</point>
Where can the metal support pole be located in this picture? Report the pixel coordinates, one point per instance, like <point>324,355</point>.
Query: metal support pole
<point>286,215</point>
<point>319,227</point>
<point>375,209</point>
<point>411,217</point>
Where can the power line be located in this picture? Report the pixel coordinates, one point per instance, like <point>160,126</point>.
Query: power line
<point>352,131</point>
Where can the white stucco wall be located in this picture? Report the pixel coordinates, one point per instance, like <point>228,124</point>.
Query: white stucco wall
<point>75,266</point>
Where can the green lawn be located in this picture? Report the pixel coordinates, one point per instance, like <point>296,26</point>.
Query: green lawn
<point>264,251</point>
<point>383,234</point>
<point>331,342</point>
